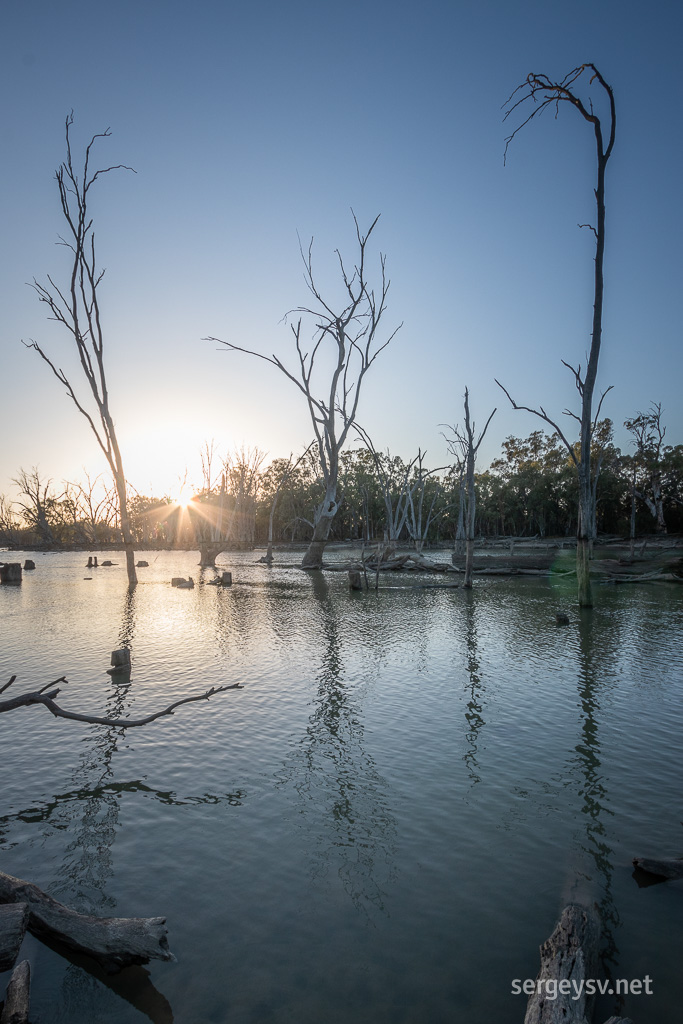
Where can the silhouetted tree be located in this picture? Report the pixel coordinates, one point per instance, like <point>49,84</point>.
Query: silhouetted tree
<point>77,308</point>
<point>350,332</point>
<point>543,92</point>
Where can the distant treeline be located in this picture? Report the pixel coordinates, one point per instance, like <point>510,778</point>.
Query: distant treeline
<point>530,490</point>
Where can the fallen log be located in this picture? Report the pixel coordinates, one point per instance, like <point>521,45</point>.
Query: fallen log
<point>570,956</point>
<point>15,1010</point>
<point>662,867</point>
<point>13,921</point>
<point>115,942</point>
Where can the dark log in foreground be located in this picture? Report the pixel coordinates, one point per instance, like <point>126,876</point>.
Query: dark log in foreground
<point>13,921</point>
<point>569,955</point>
<point>18,998</point>
<point>115,942</point>
<point>47,699</point>
<point>662,868</point>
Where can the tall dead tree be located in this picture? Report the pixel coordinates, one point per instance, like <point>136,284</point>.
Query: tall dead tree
<point>77,308</point>
<point>464,447</point>
<point>347,334</point>
<point>543,92</point>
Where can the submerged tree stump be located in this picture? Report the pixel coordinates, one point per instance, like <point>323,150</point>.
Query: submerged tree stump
<point>10,572</point>
<point>115,942</point>
<point>355,580</point>
<point>17,1000</point>
<point>13,922</point>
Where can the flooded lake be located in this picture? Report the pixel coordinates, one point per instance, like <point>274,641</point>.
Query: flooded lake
<point>381,827</point>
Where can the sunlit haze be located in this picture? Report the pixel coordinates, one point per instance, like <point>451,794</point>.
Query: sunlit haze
<point>250,126</point>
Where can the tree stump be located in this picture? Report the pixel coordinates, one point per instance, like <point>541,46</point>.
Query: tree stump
<point>121,658</point>
<point>10,572</point>
<point>29,564</point>
<point>355,580</point>
<point>226,579</point>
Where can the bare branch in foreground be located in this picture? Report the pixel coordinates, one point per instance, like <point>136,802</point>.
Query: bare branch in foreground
<point>48,700</point>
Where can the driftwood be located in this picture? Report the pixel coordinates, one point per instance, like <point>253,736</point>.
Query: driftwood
<point>13,921</point>
<point>48,700</point>
<point>570,955</point>
<point>17,1000</point>
<point>115,942</point>
<point>661,867</point>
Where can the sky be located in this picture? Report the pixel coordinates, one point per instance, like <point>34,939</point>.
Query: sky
<point>253,126</point>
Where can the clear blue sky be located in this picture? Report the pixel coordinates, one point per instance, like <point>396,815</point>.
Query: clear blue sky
<point>248,123</point>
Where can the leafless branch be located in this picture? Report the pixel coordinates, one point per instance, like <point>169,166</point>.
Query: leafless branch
<point>48,700</point>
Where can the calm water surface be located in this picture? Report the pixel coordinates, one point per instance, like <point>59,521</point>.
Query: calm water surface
<point>382,826</point>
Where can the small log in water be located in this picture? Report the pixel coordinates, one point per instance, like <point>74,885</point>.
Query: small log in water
<point>115,942</point>
<point>13,921</point>
<point>17,1000</point>
<point>570,954</point>
<point>661,867</point>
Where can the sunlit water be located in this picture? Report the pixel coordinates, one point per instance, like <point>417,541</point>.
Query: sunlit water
<point>382,826</point>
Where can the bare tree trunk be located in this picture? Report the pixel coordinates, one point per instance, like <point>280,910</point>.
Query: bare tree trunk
<point>126,532</point>
<point>322,524</point>
<point>546,93</point>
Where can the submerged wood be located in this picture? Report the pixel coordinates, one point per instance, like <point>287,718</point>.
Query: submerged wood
<point>115,942</point>
<point>18,998</point>
<point>13,922</point>
<point>569,954</point>
<point>662,867</point>
<point>48,700</point>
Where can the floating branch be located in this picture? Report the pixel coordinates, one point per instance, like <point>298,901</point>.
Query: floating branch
<point>48,700</point>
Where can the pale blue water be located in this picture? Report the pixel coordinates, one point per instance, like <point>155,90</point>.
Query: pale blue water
<point>381,827</point>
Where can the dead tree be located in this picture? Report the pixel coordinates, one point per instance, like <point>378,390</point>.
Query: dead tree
<point>419,518</point>
<point>393,477</point>
<point>543,92</point>
<point>77,308</point>
<point>350,332</point>
<point>648,437</point>
<point>463,446</point>
<point>38,511</point>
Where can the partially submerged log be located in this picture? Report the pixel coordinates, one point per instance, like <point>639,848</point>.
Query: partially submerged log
<point>661,867</point>
<point>355,580</point>
<point>18,998</point>
<point>13,921</point>
<point>570,956</point>
<point>115,942</point>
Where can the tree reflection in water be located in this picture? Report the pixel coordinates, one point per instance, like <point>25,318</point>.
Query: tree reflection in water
<point>475,690</point>
<point>343,798</point>
<point>594,883</point>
